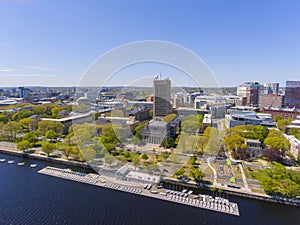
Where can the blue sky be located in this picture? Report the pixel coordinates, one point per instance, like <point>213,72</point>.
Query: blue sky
<point>53,42</point>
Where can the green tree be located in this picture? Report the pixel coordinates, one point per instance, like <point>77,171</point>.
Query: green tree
<point>197,174</point>
<point>294,131</point>
<point>201,143</point>
<point>234,142</point>
<point>55,111</point>
<point>260,133</point>
<point>45,125</point>
<point>21,115</point>
<point>47,147</point>
<point>50,134</point>
<point>23,145</point>
<point>4,118</point>
<point>180,172</point>
<point>277,142</point>
<point>283,123</point>
<point>168,143</point>
<point>137,131</point>
<point>24,123</point>
<point>191,163</point>
<point>278,181</point>
<point>33,124</point>
<point>30,137</point>
<point>11,129</point>
<point>277,117</point>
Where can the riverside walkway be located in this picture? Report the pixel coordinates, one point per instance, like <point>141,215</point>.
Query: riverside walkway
<point>199,201</point>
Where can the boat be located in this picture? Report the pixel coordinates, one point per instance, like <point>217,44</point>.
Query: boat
<point>33,165</point>
<point>11,161</point>
<point>21,163</point>
<point>2,160</point>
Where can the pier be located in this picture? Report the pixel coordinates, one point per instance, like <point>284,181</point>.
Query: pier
<point>199,201</point>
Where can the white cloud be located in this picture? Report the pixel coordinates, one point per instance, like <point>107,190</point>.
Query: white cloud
<point>6,70</point>
<point>26,75</point>
<point>34,67</point>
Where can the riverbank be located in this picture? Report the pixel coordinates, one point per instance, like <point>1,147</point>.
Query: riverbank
<point>205,202</point>
<point>231,191</point>
<point>176,185</point>
<point>46,159</point>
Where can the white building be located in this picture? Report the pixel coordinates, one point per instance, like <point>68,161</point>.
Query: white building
<point>295,145</point>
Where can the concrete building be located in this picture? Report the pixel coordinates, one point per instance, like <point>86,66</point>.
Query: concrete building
<point>294,124</point>
<point>294,145</point>
<point>271,100</point>
<point>68,121</point>
<point>184,111</point>
<point>155,133</point>
<point>283,112</point>
<point>178,102</point>
<point>292,94</point>
<point>236,118</point>
<point>251,91</point>
<point>236,100</point>
<point>203,100</point>
<point>218,111</point>
<point>271,88</point>
<point>162,96</point>
<point>254,147</point>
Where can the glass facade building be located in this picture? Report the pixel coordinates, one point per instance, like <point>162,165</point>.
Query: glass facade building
<point>292,94</point>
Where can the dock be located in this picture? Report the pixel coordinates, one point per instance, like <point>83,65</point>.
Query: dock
<point>207,202</point>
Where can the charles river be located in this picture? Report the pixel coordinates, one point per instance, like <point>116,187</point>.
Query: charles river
<point>27,197</point>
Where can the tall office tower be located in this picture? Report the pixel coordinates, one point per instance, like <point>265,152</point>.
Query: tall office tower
<point>272,88</point>
<point>292,94</point>
<point>251,91</point>
<point>24,92</point>
<point>162,96</point>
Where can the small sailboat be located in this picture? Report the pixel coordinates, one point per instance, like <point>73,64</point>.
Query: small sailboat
<point>2,160</point>
<point>33,165</point>
<point>11,161</point>
<point>21,163</point>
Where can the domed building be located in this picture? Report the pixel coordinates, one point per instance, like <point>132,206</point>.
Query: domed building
<point>83,100</point>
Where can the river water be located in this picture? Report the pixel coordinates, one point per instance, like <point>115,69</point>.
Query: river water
<point>27,197</point>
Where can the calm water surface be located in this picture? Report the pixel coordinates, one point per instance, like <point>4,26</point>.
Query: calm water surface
<point>27,197</point>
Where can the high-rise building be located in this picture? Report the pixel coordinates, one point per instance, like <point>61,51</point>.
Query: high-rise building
<point>24,92</point>
<point>272,88</point>
<point>292,94</point>
<point>162,96</point>
<point>251,91</point>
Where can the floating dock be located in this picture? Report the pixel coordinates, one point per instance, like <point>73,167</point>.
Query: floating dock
<point>199,201</point>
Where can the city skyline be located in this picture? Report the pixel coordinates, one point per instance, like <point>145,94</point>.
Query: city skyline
<point>241,41</point>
